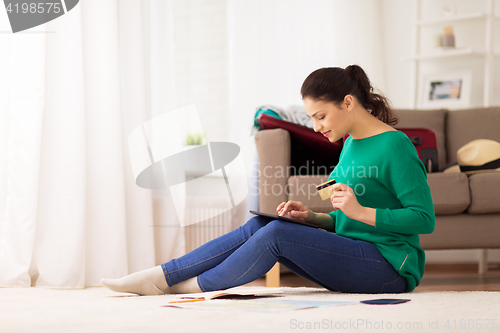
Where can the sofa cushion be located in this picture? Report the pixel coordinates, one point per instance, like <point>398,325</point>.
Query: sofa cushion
<point>463,231</point>
<point>484,193</point>
<point>450,192</point>
<point>303,189</point>
<point>463,126</point>
<point>431,119</point>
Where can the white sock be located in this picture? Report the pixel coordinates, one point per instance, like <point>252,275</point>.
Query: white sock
<point>150,281</point>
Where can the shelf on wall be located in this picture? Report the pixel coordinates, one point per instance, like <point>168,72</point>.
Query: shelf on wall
<point>452,19</point>
<point>426,51</point>
<point>445,54</point>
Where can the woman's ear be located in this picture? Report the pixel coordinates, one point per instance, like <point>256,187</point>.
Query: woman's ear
<point>349,102</point>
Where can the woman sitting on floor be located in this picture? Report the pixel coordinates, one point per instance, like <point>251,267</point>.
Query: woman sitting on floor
<point>380,204</point>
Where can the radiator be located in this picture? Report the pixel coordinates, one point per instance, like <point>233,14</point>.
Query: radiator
<point>216,219</point>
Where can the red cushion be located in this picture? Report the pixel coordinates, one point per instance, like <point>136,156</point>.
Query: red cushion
<point>302,134</point>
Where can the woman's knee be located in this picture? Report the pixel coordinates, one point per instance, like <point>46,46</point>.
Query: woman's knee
<point>255,223</point>
<point>268,230</point>
<point>273,229</point>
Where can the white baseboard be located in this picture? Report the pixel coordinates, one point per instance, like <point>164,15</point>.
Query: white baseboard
<point>459,256</point>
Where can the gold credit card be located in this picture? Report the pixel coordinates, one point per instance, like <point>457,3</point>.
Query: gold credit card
<point>324,189</point>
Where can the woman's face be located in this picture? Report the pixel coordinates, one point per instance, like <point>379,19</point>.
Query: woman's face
<point>329,119</point>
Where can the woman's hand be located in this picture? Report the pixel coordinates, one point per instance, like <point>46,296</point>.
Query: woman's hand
<point>343,198</point>
<point>296,210</point>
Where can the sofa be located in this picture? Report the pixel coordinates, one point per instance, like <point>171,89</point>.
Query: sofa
<point>467,208</point>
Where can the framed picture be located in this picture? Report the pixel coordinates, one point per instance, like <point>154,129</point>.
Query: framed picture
<point>446,89</point>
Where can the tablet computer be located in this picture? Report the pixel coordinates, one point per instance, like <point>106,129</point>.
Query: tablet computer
<point>277,217</point>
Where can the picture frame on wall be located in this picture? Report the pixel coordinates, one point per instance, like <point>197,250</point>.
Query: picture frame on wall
<point>447,90</point>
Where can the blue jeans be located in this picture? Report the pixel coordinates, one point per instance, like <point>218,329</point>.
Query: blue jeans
<point>247,253</point>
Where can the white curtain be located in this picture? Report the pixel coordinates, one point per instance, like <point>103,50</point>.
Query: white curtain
<point>72,91</point>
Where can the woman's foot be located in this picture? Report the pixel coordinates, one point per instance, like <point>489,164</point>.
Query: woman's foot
<point>150,281</point>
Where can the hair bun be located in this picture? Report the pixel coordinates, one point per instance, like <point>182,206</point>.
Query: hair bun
<point>354,71</point>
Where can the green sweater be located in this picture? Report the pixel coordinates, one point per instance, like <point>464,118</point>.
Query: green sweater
<point>386,174</point>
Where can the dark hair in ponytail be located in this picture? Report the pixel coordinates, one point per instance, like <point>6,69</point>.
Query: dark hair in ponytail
<point>332,84</point>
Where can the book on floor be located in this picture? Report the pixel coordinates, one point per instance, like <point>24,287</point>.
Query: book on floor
<point>236,291</point>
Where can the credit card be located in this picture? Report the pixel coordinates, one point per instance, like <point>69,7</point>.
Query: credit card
<point>324,189</point>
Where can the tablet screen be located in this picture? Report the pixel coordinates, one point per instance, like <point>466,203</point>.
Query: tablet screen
<point>277,217</point>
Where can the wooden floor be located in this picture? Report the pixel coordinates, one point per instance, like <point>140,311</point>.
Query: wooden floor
<point>442,277</point>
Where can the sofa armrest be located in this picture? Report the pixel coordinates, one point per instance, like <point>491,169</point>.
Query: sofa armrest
<point>274,151</point>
